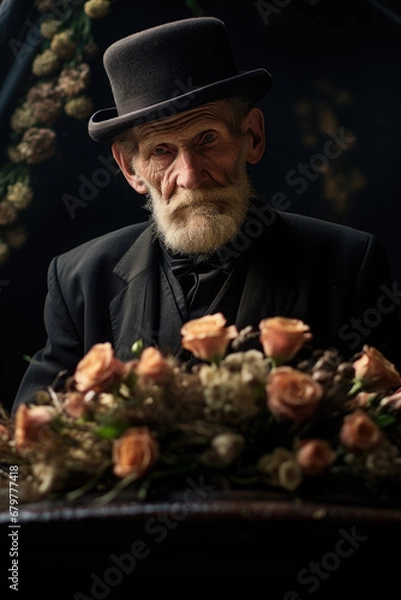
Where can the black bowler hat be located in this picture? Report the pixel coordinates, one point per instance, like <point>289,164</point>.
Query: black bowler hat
<point>168,69</point>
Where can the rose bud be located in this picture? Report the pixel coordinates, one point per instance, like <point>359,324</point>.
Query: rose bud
<point>374,371</point>
<point>315,456</point>
<point>32,426</point>
<point>98,369</point>
<point>152,366</point>
<point>135,452</point>
<point>208,337</point>
<point>292,394</point>
<point>393,401</point>
<point>359,432</point>
<point>283,338</point>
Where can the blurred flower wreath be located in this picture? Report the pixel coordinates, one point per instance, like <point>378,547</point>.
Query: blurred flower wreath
<point>283,417</point>
<point>58,83</point>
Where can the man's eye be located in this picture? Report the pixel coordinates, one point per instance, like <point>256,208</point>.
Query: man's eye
<point>160,151</point>
<point>208,138</point>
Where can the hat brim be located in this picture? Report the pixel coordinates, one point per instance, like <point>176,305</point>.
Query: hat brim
<point>105,124</point>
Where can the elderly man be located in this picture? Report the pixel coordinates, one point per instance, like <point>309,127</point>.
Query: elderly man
<point>184,129</point>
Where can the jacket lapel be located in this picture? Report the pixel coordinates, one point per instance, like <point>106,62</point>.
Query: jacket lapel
<point>134,311</point>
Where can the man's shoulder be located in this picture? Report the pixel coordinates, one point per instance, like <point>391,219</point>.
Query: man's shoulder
<point>320,229</point>
<point>106,247</point>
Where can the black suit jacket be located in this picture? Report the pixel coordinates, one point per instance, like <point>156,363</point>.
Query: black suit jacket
<point>336,279</point>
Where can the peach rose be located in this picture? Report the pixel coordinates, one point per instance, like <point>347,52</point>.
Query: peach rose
<point>283,338</point>
<point>292,394</point>
<point>32,426</point>
<point>135,452</point>
<point>359,432</point>
<point>315,456</point>
<point>208,337</point>
<point>98,368</point>
<point>393,401</point>
<point>375,371</point>
<point>153,366</point>
<point>74,405</point>
<point>4,432</point>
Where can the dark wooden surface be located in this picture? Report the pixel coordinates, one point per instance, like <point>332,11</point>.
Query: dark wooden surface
<point>240,544</point>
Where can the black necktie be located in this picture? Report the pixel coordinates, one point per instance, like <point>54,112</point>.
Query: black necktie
<point>191,271</point>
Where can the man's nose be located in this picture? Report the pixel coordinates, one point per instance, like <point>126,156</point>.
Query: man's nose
<point>190,170</point>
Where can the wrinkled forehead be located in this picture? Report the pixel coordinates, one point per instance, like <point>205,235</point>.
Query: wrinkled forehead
<point>201,116</point>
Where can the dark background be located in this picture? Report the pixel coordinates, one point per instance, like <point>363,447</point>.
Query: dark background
<point>334,64</point>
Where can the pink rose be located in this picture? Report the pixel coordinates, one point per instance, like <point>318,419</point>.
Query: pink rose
<point>32,426</point>
<point>135,452</point>
<point>99,368</point>
<point>74,405</point>
<point>315,456</point>
<point>359,432</point>
<point>283,338</point>
<point>375,371</point>
<point>208,337</point>
<point>152,366</point>
<point>4,432</point>
<point>292,394</point>
<point>393,401</point>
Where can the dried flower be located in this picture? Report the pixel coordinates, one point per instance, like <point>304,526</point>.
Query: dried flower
<point>62,45</point>
<point>292,394</point>
<point>208,337</point>
<point>281,468</point>
<point>49,27</point>
<point>79,108</point>
<point>73,81</point>
<point>32,426</point>
<point>228,446</point>
<point>14,154</point>
<point>8,213</point>
<point>289,475</point>
<point>46,103</point>
<point>97,9</point>
<point>135,452</point>
<point>98,369</point>
<point>19,195</point>
<point>22,118</point>
<point>37,145</point>
<point>15,236</point>
<point>283,338</point>
<point>45,64</point>
<point>359,432</point>
<point>152,366</point>
<point>375,371</point>
<point>315,456</point>
<point>4,251</point>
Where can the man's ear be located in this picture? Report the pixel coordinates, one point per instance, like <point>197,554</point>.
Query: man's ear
<point>254,127</point>
<point>124,161</point>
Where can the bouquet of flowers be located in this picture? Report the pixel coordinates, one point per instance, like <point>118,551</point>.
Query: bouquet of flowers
<point>280,416</point>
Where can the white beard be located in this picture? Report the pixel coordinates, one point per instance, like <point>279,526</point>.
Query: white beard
<point>200,221</point>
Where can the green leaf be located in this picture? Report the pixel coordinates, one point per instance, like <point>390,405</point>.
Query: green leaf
<point>111,430</point>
